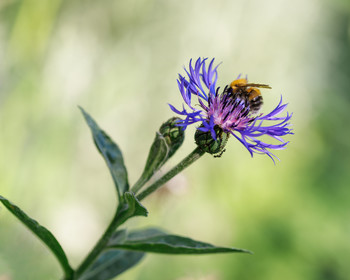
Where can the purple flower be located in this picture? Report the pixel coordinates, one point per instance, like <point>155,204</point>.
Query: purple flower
<point>235,110</point>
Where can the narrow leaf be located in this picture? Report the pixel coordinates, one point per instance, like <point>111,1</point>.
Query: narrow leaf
<point>42,233</point>
<point>111,153</point>
<point>156,241</point>
<point>131,208</point>
<point>112,263</point>
<point>167,141</point>
<point>121,236</point>
<point>157,156</point>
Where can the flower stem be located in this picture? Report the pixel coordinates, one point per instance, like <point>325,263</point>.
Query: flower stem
<point>100,245</point>
<point>138,185</point>
<point>118,218</point>
<point>192,157</point>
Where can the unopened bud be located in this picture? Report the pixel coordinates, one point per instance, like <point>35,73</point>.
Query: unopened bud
<point>167,141</point>
<point>174,135</point>
<point>205,141</point>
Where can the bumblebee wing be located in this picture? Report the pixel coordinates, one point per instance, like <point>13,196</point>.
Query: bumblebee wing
<point>258,85</point>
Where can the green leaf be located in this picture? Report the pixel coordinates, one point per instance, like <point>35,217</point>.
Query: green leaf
<point>121,236</point>
<point>42,233</point>
<point>112,263</point>
<point>167,141</point>
<point>157,156</point>
<point>156,241</point>
<point>131,208</point>
<point>111,153</point>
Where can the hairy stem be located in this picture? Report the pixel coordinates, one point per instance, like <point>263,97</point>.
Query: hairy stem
<point>100,245</point>
<point>119,218</point>
<point>192,157</point>
<point>138,185</point>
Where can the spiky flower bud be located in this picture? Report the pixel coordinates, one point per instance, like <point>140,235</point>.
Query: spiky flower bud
<point>174,135</point>
<point>205,140</point>
<point>167,141</point>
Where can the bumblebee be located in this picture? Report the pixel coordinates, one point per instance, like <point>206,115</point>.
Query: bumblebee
<point>249,92</point>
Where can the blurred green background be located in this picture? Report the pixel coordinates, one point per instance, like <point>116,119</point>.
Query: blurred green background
<point>119,60</point>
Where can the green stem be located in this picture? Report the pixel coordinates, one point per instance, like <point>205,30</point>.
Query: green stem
<point>138,185</point>
<point>120,217</point>
<point>192,157</point>
<point>100,245</point>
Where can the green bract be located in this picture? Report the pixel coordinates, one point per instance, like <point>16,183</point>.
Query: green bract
<point>206,143</point>
<point>174,135</point>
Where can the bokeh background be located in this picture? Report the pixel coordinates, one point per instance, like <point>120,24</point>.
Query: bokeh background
<point>119,60</point>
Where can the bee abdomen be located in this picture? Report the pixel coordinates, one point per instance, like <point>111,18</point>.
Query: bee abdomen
<point>255,104</point>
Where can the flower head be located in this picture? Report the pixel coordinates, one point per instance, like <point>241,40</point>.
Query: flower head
<point>233,111</point>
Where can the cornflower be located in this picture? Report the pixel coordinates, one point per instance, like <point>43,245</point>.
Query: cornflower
<point>233,111</point>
